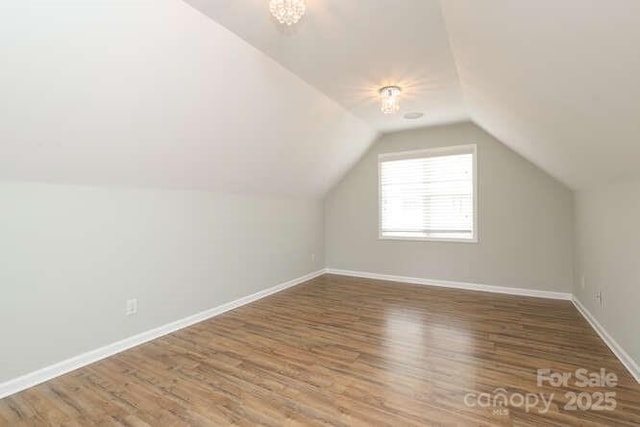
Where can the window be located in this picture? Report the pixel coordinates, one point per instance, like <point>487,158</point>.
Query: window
<point>429,194</point>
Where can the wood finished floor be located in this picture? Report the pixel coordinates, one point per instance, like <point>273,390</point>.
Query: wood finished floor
<point>340,351</point>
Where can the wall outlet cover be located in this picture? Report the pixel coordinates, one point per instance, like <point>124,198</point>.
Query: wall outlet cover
<point>132,307</point>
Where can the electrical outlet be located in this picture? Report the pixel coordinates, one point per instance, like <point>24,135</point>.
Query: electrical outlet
<point>132,307</point>
<point>598,297</point>
<point>313,257</point>
<point>582,283</point>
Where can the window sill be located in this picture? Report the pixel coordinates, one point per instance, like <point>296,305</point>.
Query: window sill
<point>430,239</point>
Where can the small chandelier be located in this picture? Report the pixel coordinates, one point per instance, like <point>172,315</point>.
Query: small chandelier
<point>287,11</point>
<point>390,97</point>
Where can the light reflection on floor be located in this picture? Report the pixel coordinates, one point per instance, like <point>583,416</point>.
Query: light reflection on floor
<point>414,345</point>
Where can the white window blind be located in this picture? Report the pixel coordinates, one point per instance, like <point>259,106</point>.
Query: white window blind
<point>428,194</point>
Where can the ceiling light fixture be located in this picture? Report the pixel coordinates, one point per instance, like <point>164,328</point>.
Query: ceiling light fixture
<point>390,97</point>
<point>287,12</point>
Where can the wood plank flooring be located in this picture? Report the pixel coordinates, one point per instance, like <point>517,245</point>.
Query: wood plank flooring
<point>342,351</point>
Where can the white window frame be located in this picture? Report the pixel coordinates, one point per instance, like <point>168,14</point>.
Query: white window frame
<point>432,152</point>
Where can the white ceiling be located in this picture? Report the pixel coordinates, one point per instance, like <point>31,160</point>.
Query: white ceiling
<point>152,93</point>
<point>155,93</point>
<point>557,80</point>
<point>349,49</point>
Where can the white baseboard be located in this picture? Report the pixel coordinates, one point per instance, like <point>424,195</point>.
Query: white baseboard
<point>623,356</point>
<point>34,378</point>
<point>454,285</point>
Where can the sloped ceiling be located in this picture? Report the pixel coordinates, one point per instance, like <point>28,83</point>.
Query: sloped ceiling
<point>155,93</point>
<point>558,81</point>
<point>350,49</point>
<point>152,93</point>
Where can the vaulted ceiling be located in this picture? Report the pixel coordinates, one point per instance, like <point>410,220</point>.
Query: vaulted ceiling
<point>151,93</point>
<point>557,81</point>
<point>350,49</point>
<point>159,93</point>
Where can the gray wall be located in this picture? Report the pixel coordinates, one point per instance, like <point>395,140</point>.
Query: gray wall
<point>70,256</point>
<point>608,258</point>
<point>525,220</point>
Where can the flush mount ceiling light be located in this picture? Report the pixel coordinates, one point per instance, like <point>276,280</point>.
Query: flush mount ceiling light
<point>390,97</point>
<point>287,12</point>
